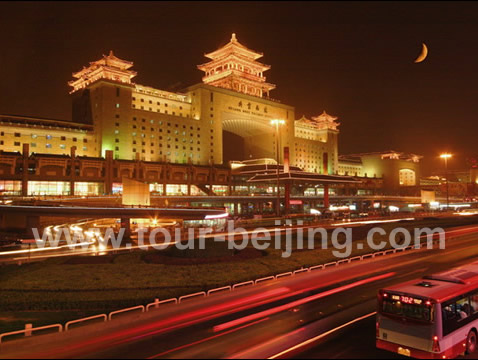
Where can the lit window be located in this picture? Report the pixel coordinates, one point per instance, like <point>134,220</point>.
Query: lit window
<point>48,146</point>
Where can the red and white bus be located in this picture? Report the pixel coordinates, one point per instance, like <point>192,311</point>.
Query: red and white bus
<point>435,317</point>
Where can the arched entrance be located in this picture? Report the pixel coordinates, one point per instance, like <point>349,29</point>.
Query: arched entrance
<point>246,138</point>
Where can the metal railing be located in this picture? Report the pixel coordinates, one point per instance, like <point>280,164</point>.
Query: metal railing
<point>176,301</point>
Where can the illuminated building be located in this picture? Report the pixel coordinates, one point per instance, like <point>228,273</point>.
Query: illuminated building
<point>111,112</point>
<point>143,130</point>
<point>234,67</point>
<point>193,127</point>
<point>46,136</point>
<point>398,170</point>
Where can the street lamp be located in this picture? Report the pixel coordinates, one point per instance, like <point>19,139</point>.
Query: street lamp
<point>446,157</point>
<point>278,123</point>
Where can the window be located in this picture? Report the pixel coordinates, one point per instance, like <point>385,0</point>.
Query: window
<point>459,312</point>
<point>63,138</point>
<point>407,177</point>
<point>33,145</point>
<point>48,146</point>
<point>34,136</point>
<point>18,134</point>
<point>85,141</point>
<point>75,139</point>
<point>63,146</point>
<point>117,105</point>
<point>17,143</point>
<point>48,137</point>
<point>117,92</point>
<point>85,148</point>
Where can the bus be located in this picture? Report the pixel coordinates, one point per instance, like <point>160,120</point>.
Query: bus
<point>435,317</point>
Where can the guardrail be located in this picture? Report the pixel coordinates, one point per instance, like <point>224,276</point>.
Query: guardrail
<point>69,323</point>
<point>247,283</point>
<point>269,278</point>
<point>163,302</point>
<point>140,307</point>
<point>156,304</point>
<point>29,331</point>
<point>218,290</point>
<point>186,297</point>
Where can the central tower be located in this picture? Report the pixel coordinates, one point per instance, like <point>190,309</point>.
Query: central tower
<point>234,67</point>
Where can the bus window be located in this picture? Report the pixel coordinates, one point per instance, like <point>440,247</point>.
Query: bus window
<point>474,303</point>
<point>413,309</point>
<point>455,311</point>
<point>463,308</point>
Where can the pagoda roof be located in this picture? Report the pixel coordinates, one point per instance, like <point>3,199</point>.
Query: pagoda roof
<point>325,117</point>
<point>321,121</point>
<point>234,47</point>
<point>110,61</point>
<point>113,61</point>
<point>234,56</point>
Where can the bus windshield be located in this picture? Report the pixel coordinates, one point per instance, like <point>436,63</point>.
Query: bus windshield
<point>407,307</point>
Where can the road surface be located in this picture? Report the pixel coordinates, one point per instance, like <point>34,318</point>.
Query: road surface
<point>260,321</point>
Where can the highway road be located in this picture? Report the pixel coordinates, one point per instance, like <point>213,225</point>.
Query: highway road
<point>275,320</point>
<point>92,247</point>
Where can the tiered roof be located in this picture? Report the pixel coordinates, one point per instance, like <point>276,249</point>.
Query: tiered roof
<point>323,121</point>
<point>234,66</point>
<point>109,67</point>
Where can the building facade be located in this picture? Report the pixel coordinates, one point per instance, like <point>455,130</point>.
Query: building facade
<point>193,127</point>
<point>228,117</point>
<point>400,172</point>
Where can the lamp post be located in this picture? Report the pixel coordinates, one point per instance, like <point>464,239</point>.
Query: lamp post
<point>278,123</point>
<point>446,157</point>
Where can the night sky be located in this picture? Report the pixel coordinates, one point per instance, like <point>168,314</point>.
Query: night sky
<point>355,60</point>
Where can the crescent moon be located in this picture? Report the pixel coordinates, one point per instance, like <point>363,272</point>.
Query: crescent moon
<point>423,54</point>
